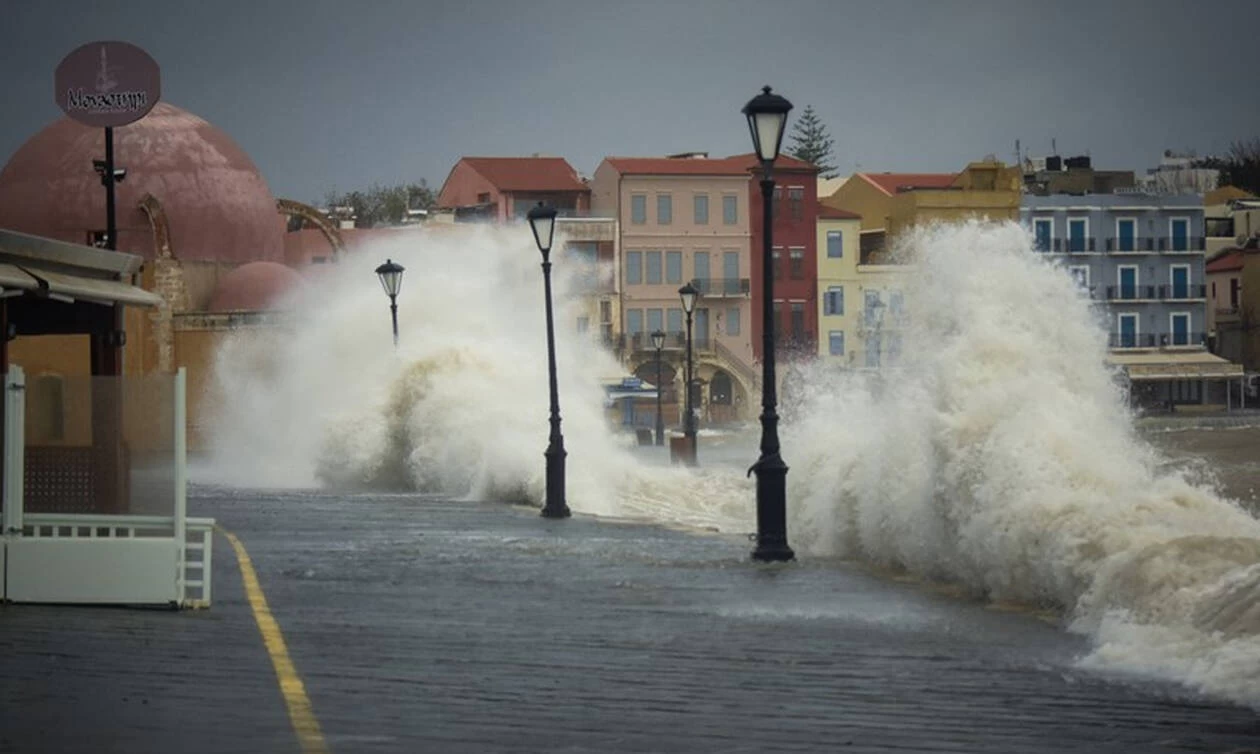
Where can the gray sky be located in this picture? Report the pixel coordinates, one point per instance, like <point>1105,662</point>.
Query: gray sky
<point>341,94</point>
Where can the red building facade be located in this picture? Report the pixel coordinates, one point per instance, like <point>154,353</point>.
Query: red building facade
<point>501,189</point>
<point>795,253</point>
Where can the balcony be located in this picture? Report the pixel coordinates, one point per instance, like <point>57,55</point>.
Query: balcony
<point>1182,244</point>
<point>1131,293</point>
<point>722,287</point>
<point>1150,340</point>
<point>1073,245</point>
<point>674,341</point>
<point>1130,245</point>
<point>1182,292</point>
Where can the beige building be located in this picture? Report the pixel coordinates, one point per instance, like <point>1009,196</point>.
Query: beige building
<point>861,306</point>
<point>683,219</point>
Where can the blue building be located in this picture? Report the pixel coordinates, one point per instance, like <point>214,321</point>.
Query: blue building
<point>1141,257</point>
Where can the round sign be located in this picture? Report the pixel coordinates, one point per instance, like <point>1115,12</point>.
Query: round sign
<point>107,84</point>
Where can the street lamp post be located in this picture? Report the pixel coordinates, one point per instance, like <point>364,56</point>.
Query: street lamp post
<point>391,274</point>
<point>767,117</point>
<point>542,220</point>
<point>658,340</point>
<point>689,294</point>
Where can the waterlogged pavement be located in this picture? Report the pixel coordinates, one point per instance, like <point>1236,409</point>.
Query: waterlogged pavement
<point>414,625</point>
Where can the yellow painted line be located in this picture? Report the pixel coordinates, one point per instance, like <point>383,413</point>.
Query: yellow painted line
<point>300,714</point>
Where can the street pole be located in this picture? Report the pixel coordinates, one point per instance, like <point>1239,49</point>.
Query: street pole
<point>660,419</point>
<point>555,507</point>
<point>767,118</point>
<point>689,424</point>
<point>393,313</point>
<point>111,221</point>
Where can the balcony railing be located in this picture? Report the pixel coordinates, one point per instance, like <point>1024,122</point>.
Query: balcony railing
<point>1131,245</point>
<point>673,341</point>
<point>1130,293</point>
<point>721,287</point>
<point>1182,292</point>
<point>1151,340</point>
<point>1181,243</point>
<point>1074,245</point>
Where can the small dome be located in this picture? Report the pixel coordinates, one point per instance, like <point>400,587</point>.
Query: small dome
<point>253,287</point>
<point>217,203</point>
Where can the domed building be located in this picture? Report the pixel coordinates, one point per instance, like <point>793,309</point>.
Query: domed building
<point>192,204</point>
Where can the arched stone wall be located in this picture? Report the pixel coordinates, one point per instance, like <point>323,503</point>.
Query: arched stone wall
<point>168,282</point>
<point>291,208</point>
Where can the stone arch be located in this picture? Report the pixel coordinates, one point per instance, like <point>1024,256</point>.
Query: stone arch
<point>168,282</point>
<point>291,208</point>
<point>646,371</point>
<point>720,388</point>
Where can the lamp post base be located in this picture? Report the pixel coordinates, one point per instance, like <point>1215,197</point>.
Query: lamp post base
<point>555,507</point>
<point>772,546</point>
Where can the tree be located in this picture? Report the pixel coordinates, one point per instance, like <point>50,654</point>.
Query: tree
<point>811,143</point>
<point>383,205</point>
<point>1240,167</point>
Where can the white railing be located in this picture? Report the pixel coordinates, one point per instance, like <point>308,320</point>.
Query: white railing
<point>193,573</point>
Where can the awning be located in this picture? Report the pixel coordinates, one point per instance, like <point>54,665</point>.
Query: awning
<point>1191,365</point>
<point>95,290</point>
<point>13,278</point>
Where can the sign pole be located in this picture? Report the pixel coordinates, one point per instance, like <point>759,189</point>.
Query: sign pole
<point>111,222</point>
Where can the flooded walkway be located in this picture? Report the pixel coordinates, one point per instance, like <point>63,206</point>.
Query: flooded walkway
<point>423,625</point>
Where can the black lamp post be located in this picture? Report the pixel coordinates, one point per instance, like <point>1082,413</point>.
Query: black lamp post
<point>542,220</point>
<point>658,340</point>
<point>767,117</point>
<point>391,280</point>
<point>689,294</point>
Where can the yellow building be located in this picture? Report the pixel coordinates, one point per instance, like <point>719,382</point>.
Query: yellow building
<point>891,202</point>
<point>861,307</point>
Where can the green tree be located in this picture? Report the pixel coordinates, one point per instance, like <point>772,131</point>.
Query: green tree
<point>811,143</point>
<point>1240,167</point>
<point>383,205</point>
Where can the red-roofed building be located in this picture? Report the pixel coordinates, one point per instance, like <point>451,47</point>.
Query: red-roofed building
<point>1224,282</point>
<point>795,254</point>
<point>681,219</point>
<point>504,188</point>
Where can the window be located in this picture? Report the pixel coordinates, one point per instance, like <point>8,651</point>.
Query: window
<point>98,239</point>
<point>730,210</point>
<point>1080,274</point>
<point>798,321</point>
<point>638,209</point>
<point>1078,231</point>
<point>1127,279</point>
<point>1179,280</point>
<point>778,199</point>
<point>702,209</point>
<point>775,257</point>
<point>634,267</point>
<point>675,322</point>
<point>730,273</point>
<point>896,305</point>
<point>796,202</point>
<point>833,301</point>
<point>1126,234</point>
<point>673,267</point>
<point>1179,230</point>
<point>835,244</point>
<point>653,259</point>
<point>664,209</point>
<point>483,198</point>
<point>835,342</point>
<point>797,256</point>
<point>1043,233</point>
<point>893,349</point>
<point>654,320</point>
<point>634,321</point>
<point>583,325</point>
<point>872,351</point>
<point>1234,284</point>
<point>732,320</point>
<point>1179,324</point>
<point>1127,329</point>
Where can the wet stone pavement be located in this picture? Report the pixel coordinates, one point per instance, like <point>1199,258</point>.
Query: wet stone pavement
<point>423,625</point>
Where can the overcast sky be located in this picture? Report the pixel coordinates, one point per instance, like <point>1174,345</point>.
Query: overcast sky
<point>340,95</point>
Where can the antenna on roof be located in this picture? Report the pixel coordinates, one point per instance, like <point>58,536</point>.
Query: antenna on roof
<point>1017,160</point>
<point>1054,149</point>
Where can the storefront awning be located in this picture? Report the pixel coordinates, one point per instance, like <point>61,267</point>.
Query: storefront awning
<point>1163,365</point>
<point>95,290</point>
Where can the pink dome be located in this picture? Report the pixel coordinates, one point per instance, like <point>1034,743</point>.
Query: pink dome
<point>257,286</point>
<point>217,203</point>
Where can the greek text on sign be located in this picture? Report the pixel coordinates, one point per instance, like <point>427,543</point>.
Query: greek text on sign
<point>107,84</point>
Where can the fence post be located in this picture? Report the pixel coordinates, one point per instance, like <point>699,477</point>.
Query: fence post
<point>181,481</point>
<point>14,448</point>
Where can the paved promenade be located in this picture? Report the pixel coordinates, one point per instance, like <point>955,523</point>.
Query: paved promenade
<point>419,625</point>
